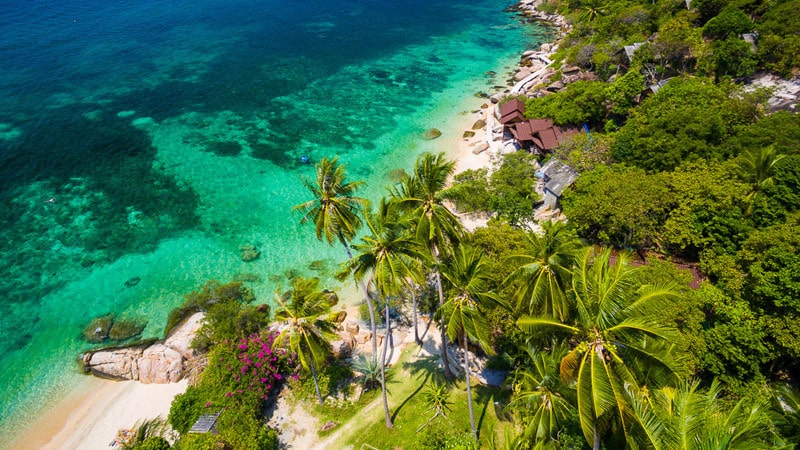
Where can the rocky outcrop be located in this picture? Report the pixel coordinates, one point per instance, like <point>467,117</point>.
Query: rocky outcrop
<point>180,339</point>
<point>162,362</point>
<point>118,364</point>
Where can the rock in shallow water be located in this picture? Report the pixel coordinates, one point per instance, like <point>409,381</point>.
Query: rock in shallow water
<point>431,133</point>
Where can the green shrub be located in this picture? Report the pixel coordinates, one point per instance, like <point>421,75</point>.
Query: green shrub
<point>185,409</point>
<point>152,443</point>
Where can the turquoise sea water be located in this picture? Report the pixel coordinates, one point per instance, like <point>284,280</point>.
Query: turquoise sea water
<point>151,139</point>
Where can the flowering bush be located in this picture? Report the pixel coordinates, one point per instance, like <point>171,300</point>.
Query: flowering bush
<point>253,367</point>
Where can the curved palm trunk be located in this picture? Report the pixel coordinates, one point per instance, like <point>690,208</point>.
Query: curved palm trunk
<point>383,368</point>
<point>316,381</point>
<point>370,306</point>
<point>469,387</point>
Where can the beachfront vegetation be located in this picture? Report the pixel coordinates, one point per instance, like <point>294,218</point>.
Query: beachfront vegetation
<point>663,314</point>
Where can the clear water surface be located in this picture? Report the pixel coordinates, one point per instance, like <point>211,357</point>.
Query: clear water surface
<point>150,140</point>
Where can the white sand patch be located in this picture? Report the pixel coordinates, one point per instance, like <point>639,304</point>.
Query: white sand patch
<point>108,408</point>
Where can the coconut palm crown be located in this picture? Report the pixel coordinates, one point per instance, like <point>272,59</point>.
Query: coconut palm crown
<point>305,329</point>
<point>543,274</point>
<point>335,208</point>
<point>617,343</point>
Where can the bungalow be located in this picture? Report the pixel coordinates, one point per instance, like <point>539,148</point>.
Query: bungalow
<point>538,135</point>
<point>512,111</point>
<point>556,177</point>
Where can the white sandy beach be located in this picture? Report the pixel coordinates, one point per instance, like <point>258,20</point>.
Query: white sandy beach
<point>91,418</point>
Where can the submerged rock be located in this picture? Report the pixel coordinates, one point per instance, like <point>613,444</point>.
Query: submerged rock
<point>249,253</point>
<point>98,328</point>
<point>131,282</point>
<point>431,133</point>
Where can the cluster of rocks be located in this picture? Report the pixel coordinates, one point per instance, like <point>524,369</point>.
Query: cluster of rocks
<point>161,362</point>
<point>534,76</point>
<point>530,8</point>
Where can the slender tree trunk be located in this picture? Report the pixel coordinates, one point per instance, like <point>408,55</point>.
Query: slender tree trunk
<point>316,381</point>
<point>469,387</point>
<point>447,372</point>
<point>596,443</point>
<point>383,368</point>
<point>370,305</point>
<point>414,313</point>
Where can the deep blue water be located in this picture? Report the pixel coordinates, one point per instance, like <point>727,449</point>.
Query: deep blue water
<point>151,139</point>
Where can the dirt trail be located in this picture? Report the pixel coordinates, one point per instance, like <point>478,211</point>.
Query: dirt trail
<point>298,429</point>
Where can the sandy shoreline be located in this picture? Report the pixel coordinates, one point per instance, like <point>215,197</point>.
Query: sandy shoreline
<point>90,417</point>
<point>91,414</point>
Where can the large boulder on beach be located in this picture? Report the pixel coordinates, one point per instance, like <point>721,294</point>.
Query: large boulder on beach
<point>480,148</point>
<point>116,364</point>
<point>479,124</point>
<point>156,363</point>
<point>160,364</point>
<point>180,338</point>
<point>522,74</point>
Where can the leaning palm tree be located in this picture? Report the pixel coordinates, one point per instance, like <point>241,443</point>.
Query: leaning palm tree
<point>424,196</point>
<point>614,334</point>
<point>464,312</point>
<point>543,274</point>
<point>335,212</point>
<point>305,328</point>
<point>388,256</point>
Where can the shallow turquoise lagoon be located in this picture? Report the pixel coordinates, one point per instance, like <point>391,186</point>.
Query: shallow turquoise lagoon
<point>150,141</point>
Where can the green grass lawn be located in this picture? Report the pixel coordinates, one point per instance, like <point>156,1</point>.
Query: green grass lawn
<point>409,378</point>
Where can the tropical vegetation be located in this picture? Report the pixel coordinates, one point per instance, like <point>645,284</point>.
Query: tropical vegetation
<point>662,314</point>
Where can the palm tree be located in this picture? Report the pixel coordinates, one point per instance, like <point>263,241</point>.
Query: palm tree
<point>592,9</point>
<point>423,196</point>
<point>544,273</point>
<point>305,328</point>
<point>334,211</point>
<point>464,312</point>
<point>691,418</point>
<point>614,335</point>
<point>757,168</point>
<point>389,256</point>
<point>539,396</point>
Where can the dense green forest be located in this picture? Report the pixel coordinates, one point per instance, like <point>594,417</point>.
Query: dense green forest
<point>663,314</point>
